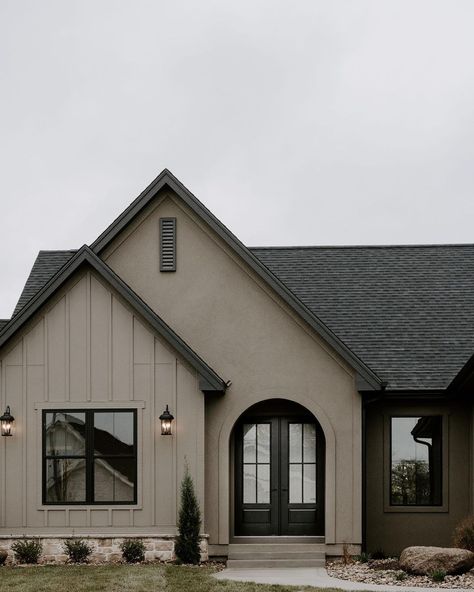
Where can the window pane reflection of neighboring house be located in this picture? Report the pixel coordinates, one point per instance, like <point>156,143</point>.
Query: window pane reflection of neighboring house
<point>72,440</point>
<point>416,461</point>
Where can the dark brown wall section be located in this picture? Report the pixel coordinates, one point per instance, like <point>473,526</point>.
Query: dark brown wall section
<point>394,529</point>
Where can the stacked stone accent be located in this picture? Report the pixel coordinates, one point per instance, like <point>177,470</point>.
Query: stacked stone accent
<point>104,549</point>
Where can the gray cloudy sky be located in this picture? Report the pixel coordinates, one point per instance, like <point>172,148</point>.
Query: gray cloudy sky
<point>331,122</point>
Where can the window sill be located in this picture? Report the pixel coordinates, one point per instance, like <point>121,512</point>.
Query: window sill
<point>416,509</point>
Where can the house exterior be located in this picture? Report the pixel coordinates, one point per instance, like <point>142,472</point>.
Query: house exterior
<point>318,394</point>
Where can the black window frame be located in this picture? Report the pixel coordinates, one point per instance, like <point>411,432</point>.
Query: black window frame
<point>90,457</point>
<point>440,468</point>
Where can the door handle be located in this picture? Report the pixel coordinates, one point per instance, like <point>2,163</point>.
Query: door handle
<point>284,489</point>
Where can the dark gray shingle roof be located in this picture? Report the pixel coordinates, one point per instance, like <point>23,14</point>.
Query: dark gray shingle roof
<point>3,322</point>
<point>46,265</point>
<point>406,311</point>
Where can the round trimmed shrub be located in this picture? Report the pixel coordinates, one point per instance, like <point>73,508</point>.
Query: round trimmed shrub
<point>77,550</point>
<point>133,550</point>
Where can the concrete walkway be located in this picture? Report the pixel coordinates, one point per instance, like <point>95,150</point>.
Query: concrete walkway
<point>314,576</point>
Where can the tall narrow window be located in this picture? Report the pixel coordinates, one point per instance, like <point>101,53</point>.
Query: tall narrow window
<point>89,456</point>
<point>416,461</point>
<point>167,244</point>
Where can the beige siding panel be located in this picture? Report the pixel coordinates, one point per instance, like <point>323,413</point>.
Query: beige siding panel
<point>78,341</point>
<point>34,341</point>
<point>56,319</point>
<point>35,383</point>
<point>163,354</point>
<point>13,446</point>
<point>57,518</point>
<point>100,303</point>
<point>122,327</point>
<point>100,518</point>
<point>77,518</point>
<point>165,498</point>
<point>121,518</point>
<point>142,344</point>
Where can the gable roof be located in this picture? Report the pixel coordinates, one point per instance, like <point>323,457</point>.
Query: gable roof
<point>210,380</point>
<point>370,380</point>
<point>407,311</point>
<point>3,322</point>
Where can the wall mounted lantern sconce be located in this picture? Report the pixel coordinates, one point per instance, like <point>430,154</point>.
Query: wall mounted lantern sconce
<point>6,422</point>
<point>166,420</point>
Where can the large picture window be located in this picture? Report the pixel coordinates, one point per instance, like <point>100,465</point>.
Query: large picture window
<point>89,456</point>
<point>416,461</point>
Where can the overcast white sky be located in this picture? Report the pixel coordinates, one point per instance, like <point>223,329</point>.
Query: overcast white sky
<point>295,122</point>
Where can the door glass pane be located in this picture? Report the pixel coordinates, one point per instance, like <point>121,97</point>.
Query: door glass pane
<point>309,443</point>
<point>295,484</point>
<point>113,433</point>
<point>66,480</point>
<point>114,479</point>
<point>250,442</point>
<point>263,484</point>
<point>295,437</point>
<point>309,484</point>
<point>65,433</point>
<point>250,484</point>
<point>263,443</point>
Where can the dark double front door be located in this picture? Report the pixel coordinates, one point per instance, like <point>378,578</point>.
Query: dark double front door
<point>279,477</point>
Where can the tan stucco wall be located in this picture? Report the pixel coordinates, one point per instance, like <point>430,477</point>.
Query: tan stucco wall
<point>87,349</point>
<point>234,321</point>
<point>393,529</point>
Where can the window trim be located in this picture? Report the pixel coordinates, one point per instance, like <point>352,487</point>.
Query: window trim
<point>387,459</point>
<point>89,456</point>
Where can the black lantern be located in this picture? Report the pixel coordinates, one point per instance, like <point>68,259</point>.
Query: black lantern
<point>6,422</point>
<point>166,420</point>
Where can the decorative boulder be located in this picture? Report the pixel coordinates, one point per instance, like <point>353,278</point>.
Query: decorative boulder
<point>426,560</point>
<point>3,556</point>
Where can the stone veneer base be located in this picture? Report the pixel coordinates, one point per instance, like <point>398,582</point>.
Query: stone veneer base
<point>105,549</point>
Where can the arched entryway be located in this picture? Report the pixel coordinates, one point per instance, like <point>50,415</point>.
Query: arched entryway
<point>279,471</point>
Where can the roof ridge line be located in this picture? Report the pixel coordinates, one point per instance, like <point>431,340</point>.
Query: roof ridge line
<point>389,246</point>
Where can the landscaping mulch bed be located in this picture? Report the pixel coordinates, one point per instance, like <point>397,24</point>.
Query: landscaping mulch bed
<point>387,572</point>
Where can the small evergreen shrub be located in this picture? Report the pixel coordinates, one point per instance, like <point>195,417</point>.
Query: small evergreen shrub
<point>27,550</point>
<point>463,536</point>
<point>77,550</point>
<point>401,575</point>
<point>379,554</point>
<point>438,575</point>
<point>133,550</point>
<point>364,557</point>
<point>187,547</point>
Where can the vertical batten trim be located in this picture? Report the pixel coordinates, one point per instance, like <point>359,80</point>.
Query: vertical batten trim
<point>46,358</point>
<point>152,368</point>
<point>110,345</point>
<point>131,359</point>
<point>88,337</point>
<point>24,439</point>
<point>175,441</point>
<point>67,337</point>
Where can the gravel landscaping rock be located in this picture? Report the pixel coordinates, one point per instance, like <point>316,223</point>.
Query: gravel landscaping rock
<point>382,572</point>
<point>426,560</point>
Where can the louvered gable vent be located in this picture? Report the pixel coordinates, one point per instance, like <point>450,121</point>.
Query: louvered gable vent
<point>167,244</point>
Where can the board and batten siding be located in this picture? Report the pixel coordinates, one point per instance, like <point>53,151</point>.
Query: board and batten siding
<point>87,349</point>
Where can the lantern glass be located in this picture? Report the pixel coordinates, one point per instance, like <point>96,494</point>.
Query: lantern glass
<point>166,422</point>
<point>6,423</point>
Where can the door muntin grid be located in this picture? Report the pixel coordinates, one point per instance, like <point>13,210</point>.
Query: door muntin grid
<point>302,463</point>
<point>256,465</point>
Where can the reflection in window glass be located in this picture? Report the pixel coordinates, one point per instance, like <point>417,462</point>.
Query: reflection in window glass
<point>416,463</point>
<point>302,463</point>
<point>256,463</point>
<point>66,480</point>
<point>64,433</point>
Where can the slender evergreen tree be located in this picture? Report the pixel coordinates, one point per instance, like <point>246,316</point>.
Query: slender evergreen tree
<point>189,523</point>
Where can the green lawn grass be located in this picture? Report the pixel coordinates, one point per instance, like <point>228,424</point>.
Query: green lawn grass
<point>125,578</point>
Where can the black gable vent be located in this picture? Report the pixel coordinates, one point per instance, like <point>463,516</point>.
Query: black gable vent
<point>167,244</point>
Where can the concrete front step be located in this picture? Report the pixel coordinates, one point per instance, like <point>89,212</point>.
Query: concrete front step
<point>280,563</point>
<point>264,555</point>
